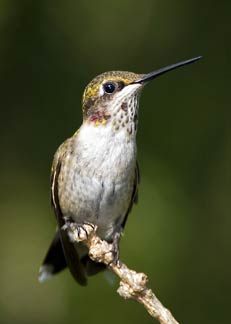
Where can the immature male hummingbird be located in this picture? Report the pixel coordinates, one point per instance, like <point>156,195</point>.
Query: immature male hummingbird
<point>95,176</point>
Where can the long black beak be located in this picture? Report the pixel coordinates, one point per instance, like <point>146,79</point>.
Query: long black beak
<point>154,74</point>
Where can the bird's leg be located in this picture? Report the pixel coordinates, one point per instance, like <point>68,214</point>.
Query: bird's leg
<point>115,247</point>
<point>77,232</point>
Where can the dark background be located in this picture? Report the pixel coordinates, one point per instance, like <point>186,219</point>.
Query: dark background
<point>179,234</point>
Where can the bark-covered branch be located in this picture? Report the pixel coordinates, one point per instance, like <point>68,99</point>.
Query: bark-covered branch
<point>133,285</point>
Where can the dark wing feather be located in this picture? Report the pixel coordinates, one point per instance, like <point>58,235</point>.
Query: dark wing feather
<point>71,255</point>
<point>134,197</point>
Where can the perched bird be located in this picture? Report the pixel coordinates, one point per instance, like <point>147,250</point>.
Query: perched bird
<point>95,176</point>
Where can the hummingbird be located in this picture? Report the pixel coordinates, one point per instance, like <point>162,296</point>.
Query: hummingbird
<point>95,174</point>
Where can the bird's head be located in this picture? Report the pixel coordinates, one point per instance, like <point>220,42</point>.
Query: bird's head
<point>114,95</point>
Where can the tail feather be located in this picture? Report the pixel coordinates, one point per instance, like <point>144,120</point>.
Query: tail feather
<point>61,254</point>
<point>77,260</point>
<point>54,260</point>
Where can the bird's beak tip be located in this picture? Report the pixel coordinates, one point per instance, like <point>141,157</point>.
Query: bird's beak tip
<point>150,76</point>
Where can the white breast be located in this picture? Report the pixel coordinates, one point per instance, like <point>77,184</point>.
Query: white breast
<point>112,153</point>
<point>105,183</point>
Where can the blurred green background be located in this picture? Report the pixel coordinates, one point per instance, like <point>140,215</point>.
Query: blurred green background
<point>179,234</point>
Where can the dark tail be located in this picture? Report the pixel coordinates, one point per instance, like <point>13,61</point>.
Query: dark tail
<point>55,261</point>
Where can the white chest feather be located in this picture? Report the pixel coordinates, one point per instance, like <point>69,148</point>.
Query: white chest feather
<point>106,151</point>
<point>98,182</point>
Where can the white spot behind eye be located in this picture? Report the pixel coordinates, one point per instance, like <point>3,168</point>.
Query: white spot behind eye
<point>101,91</point>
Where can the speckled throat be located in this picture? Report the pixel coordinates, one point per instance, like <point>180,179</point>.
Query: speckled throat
<point>119,109</point>
<point>126,115</point>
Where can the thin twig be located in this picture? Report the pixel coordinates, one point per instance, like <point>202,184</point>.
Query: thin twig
<point>132,284</point>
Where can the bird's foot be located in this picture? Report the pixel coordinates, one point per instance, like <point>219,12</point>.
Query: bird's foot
<point>78,232</point>
<point>115,249</point>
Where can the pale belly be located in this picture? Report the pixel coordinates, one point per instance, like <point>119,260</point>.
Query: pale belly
<point>101,202</point>
<point>97,187</point>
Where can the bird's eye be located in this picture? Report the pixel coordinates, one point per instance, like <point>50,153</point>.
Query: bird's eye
<point>109,87</point>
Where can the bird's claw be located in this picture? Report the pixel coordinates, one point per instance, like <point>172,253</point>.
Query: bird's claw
<point>78,232</point>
